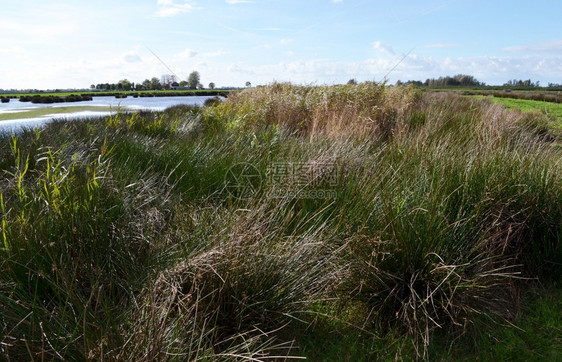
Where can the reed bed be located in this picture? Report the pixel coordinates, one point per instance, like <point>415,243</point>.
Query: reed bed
<point>388,210</point>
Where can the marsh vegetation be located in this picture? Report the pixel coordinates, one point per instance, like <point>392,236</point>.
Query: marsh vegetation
<point>120,239</point>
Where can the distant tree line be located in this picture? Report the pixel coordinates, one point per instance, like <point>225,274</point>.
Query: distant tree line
<point>166,81</point>
<point>522,83</point>
<point>459,80</point>
<point>463,80</point>
<point>519,83</point>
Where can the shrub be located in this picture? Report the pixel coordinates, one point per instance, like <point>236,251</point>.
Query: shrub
<point>212,101</point>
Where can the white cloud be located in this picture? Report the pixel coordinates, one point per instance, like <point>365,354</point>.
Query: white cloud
<point>287,41</point>
<point>168,8</point>
<point>81,72</point>
<point>383,47</point>
<point>217,53</point>
<point>552,47</point>
<point>235,68</point>
<point>188,53</point>
<point>492,70</point>
<point>337,1</point>
<point>132,58</point>
<point>51,30</point>
<point>12,50</point>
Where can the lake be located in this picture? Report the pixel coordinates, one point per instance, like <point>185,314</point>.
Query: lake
<point>11,113</point>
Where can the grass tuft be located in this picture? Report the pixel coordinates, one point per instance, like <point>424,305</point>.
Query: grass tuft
<point>384,217</point>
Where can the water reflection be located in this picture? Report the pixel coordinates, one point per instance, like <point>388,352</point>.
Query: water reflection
<point>126,104</point>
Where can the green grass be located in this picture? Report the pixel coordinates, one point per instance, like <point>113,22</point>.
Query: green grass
<point>44,111</point>
<point>535,335</point>
<point>122,238</point>
<point>552,110</point>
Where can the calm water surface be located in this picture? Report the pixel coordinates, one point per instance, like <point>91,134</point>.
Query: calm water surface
<point>129,103</point>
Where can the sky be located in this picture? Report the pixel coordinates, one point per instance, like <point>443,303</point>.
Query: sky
<point>49,44</point>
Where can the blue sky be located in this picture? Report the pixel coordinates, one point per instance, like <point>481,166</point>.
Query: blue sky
<point>72,44</point>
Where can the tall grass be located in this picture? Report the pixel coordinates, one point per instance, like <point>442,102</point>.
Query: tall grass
<point>121,239</point>
<point>364,110</point>
<point>231,292</point>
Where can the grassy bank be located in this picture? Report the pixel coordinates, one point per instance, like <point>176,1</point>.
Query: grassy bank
<point>358,222</point>
<point>40,112</point>
<point>553,111</point>
<point>551,95</point>
<point>147,93</point>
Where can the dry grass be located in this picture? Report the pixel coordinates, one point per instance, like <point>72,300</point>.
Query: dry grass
<point>367,109</point>
<point>120,239</point>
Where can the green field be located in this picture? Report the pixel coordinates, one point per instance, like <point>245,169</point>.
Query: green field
<point>553,111</point>
<point>356,222</point>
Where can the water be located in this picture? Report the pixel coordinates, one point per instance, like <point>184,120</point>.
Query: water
<point>129,103</point>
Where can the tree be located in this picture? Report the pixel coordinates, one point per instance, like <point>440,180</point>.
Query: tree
<point>146,84</point>
<point>212,85</point>
<point>155,84</point>
<point>165,80</point>
<point>193,79</point>
<point>352,81</point>
<point>522,83</point>
<point>125,85</point>
<point>200,86</point>
<point>248,84</point>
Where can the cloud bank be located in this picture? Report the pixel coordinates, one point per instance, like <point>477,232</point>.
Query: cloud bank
<point>547,47</point>
<point>169,8</point>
